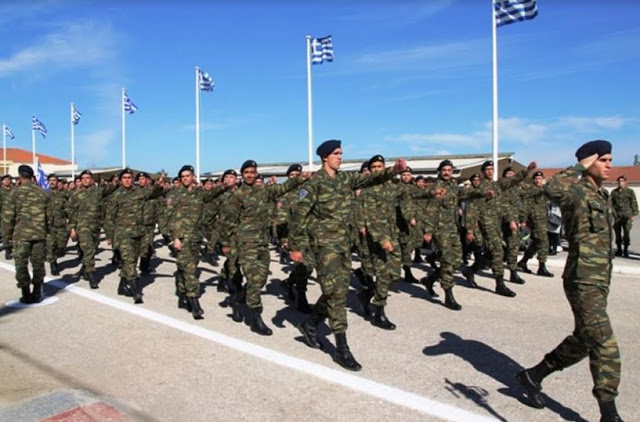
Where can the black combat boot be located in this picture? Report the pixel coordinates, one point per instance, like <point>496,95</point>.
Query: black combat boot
<point>469,275</point>
<point>542,270</point>
<point>8,253</point>
<point>37,294</point>
<point>381,320</point>
<point>309,330</point>
<point>608,412</point>
<point>343,356</point>
<point>417,258</point>
<point>183,303</point>
<point>27,297</point>
<point>115,258</point>
<point>284,258</point>
<point>222,285</point>
<point>123,288</point>
<point>625,253</point>
<point>257,324</point>
<point>450,300</point>
<point>618,249</point>
<point>359,275</point>
<point>515,278</point>
<point>54,268</point>
<point>408,276</point>
<point>145,265</point>
<point>531,380</point>
<point>301,296</point>
<point>365,295</point>
<point>194,306</point>
<point>90,276</point>
<point>137,291</point>
<point>522,265</point>
<point>501,289</point>
<point>429,281</point>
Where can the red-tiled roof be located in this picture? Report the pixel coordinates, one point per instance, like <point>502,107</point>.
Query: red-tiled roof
<point>18,155</point>
<point>632,173</point>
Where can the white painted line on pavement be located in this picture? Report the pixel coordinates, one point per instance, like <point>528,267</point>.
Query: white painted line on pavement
<point>356,383</point>
<point>617,269</point>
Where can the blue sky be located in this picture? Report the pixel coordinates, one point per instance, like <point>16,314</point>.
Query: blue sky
<point>409,78</point>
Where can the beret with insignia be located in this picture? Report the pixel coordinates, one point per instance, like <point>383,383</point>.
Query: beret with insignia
<point>86,172</point>
<point>327,147</point>
<point>247,164</point>
<point>537,173</point>
<point>486,164</point>
<point>621,177</point>
<point>598,146</point>
<point>294,167</point>
<point>230,172</point>
<point>125,171</point>
<point>506,170</point>
<point>142,174</point>
<point>444,163</point>
<point>186,167</point>
<point>376,159</point>
<point>364,166</point>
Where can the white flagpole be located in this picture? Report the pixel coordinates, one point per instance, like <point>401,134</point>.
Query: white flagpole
<point>197,125</point>
<point>123,130</point>
<point>309,114</point>
<point>4,149</point>
<point>494,44</point>
<point>73,153</point>
<point>33,143</point>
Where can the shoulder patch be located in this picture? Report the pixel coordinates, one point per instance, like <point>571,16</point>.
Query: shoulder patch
<point>302,193</point>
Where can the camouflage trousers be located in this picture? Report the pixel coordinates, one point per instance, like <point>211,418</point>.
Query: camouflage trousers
<point>88,239</point>
<point>24,251</point>
<point>592,337</point>
<point>187,263</point>
<point>129,248</point>
<point>334,274</point>
<point>540,242</point>
<point>622,228</point>
<point>56,242</point>
<point>512,239</point>
<point>213,237</point>
<point>254,262</point>
<point>492,234</point>
<point>387,267</point>
<point>448,243</point>
<point>409,242</point>
<point>146,243</point>
<point>366,260</point>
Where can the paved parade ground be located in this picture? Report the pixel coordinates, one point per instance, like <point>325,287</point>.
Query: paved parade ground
<point>93,355</point>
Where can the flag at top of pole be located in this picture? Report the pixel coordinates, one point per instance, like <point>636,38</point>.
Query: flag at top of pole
<point>39,126</point>
<point>128,105</point>
<point>205,81</point>
<point>75,115</point>
<point>321,50</point>
<point>511,11</point>
<point>8,133</point>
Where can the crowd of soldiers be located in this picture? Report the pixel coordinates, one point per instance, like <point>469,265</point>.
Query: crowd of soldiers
<point>317,223</point>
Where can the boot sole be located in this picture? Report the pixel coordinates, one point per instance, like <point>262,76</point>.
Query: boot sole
<point>533,394</point>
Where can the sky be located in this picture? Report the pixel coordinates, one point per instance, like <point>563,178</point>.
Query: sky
<point>409,78</point>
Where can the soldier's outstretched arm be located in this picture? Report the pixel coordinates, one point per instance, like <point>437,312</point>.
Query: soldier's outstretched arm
<point>560,187</point>
<point>274,191</point>
<point>212,194</point>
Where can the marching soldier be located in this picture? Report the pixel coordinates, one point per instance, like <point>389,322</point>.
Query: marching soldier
<point>511,199</point>
<point>626,209</point>
<point>58,233</point>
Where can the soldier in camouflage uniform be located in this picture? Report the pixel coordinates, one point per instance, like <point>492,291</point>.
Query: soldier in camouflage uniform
<point>587,213</point>
<point>5,189</point>
<point>150,211</point>
<point>365,272</point>
<point>538,215</point>
<point>231,275</point>
<point>24,223</point>
<point>184,225</point>
<point>321,223</point>
<point>410,231</point>
<point>511,199</point>
<point>625,207</point>
<point>245,220</point>
<point>58,230</point>
<point>85,219</point>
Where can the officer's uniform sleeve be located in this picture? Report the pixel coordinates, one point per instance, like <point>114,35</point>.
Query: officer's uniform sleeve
<point>274,191</point>
<point>359,180</point>
<point>560,188</point>
<point>212,194</point>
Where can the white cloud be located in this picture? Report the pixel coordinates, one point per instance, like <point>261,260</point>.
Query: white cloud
<point>94,147</point>
<point>591,124</point>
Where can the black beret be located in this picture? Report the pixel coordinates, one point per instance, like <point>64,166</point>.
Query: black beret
<point>207,180</point>
<point>247,164</point>
<point>598,146</point>
<point>536,174</point>
<point>621,177</point>
<point>186,167</point>
<point>175,179</point>
<point>327,147</point>
<point>474,176</point>
<point>407,169</point>
<point>125,171</point>
<point>142,174</point>
<point>365,165</point>
<point>444,163</point>
<point>78,177</point>
<point>6,176</point>
<point>25,171</point>
<point>228,172</point>
<point>52,175</point>
<point>421,177</point>
<point>85,172</point>
<point>486,164</point>
<point>375,159</point>
<point>294,167</point>
<point>506,170</point>
<point>261,177</point>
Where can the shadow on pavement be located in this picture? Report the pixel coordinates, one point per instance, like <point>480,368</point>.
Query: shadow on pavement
<point>497,365</point>
<point>478,395</point>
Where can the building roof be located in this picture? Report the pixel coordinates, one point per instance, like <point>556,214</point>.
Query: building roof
<point>17,155</point>
<point>631,172</point>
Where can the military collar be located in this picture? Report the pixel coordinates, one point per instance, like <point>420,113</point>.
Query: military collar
<point>592,186</point>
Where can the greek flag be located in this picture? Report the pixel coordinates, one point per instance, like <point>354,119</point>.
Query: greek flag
<point>39,126</point>
<point>510,11</point>
<point>206,81</point>
<point>75,115</point>
<point>321,50</point>
<point>8,133</point>
<point>41,178</point>
<point>129,106</point>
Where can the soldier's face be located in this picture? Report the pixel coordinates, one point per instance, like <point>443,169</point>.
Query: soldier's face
<point>406,177</point>
<point>446,173</point>
<point>6,182</point>
<point>294,174</point>
<point>475,182</point>
<point>622,183</point>
<point>186,178</point>
<point>259,182</point>
<point>488,172</point>
<point>334,159</point>
<point>421,183</point>
<point>85,180</point>
<point>208,185</point>
<point>230,180</point>
<point>600,170</point>
<point>143,181</point>
<point>79,182</point>
<point>376,167</point>
<point>510,173</point>
<point>249,175</point>
<point>53,183</point>
<point>126,181</point>
<point>538,180</point>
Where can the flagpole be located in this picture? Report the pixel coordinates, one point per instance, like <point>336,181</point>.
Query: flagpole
<point>123,130</point>
<point>73,153</point>
<point>494,44</point>
<point>309,113</point>
<point>4,149</point>
<point>197,126</point>
<point>33,144</point>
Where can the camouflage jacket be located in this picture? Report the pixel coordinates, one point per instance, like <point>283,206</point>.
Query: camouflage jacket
<point>4,193</point>
<point>85,206</point>
<point>184,210</point>
<point>492,209</point>
<point>325,214</point>
<point>380,209</point>
<point>537,203</point>
<point>587,214</point>
<point>24,214</point>
<point>624,202</point>
<point>443,213</point>
<point>247,212</point>
<point>57,208</point>
<point>511,204</point>
<point>125,217</point>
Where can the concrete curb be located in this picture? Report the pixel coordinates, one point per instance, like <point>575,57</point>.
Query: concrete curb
<point>620,269</point>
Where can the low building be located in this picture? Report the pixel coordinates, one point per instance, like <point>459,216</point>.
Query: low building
<point>17,157</point>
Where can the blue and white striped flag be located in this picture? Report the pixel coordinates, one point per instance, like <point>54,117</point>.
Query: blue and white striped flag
<point>510,11</point>
<point>39,126</point>
<point>75,115</point>
<point>321,50</point>
<point>8,133</point>
<point>205,81</point>
<point>41,178</point>
<point>129,106</point>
